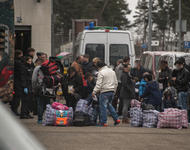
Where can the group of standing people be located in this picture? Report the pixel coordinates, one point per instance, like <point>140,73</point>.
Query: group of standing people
<point>92,79</point>
<point>23,91</point>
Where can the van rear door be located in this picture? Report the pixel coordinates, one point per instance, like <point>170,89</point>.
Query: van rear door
<point>119,45</point>
<point>95,44</point>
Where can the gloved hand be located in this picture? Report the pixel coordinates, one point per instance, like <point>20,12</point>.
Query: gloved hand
<point>26,90</point>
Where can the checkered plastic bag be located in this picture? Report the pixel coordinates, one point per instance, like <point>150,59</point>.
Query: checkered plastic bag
<point>135,103</point>
<point>170,118</point>
<point>184,119</point>
<point>136,117</point>
<point>150,118</point>
<point>82,106</point>
<point>49,116</point>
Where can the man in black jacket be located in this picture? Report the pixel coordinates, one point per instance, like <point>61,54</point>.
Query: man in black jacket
<point>127,91</point>
<point>18,80</point>
<point>87,66</point>
<point>181,79</point>
<point>27,88</point>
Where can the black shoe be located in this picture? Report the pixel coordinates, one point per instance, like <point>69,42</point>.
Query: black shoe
<point>24,117</point>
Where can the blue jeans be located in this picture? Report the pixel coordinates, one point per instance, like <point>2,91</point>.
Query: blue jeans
<point>42,101</point>
<point>182,100</point>
<point>105,101</point>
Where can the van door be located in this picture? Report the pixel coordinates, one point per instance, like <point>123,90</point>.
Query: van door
<point>95,45</point>
<point>119,45</point>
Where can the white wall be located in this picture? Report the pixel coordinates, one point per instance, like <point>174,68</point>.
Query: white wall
<point>38,15</point>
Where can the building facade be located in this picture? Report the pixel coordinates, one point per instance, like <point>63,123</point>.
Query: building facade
<point>33,25</point>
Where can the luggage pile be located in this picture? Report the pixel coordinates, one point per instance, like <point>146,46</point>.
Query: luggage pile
<point>58,114</point>
<point>170,118</point>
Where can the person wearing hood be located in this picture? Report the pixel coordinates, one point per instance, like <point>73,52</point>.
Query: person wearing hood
<point>152,94</point>
<point>142,84</point>
<point>180,76</point>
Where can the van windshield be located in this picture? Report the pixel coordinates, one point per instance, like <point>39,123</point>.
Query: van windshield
<point>95,50</point>
<point>118,51</point>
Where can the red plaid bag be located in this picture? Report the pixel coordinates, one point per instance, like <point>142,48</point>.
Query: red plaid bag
<point>184,119</point>
<point>135,103</point>
<point>170,118</point>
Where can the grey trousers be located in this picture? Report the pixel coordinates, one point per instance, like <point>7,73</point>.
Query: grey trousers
<point>126,105</point>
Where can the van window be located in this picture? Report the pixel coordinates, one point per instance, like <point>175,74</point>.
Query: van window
<point>156,61</point>
<point>149,61</point>
<point>143,59</point>
<point>95,50</point>
<point>118,51</point>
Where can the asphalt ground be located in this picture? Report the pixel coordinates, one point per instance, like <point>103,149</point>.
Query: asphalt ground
<point>122,137</point>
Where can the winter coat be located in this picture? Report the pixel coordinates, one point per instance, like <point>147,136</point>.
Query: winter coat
<point>170,103</point>
<point>142,87</point>
<point>106,81</point>
<point>28,71</point>
<point>127,86</point>
<point>135,73</point>
<point>37,80</point>
<point>182,80</point>
<point>19,75</point>
<point>87,67</point>
<point>152,94</point>
<point>119,72</point>
<point>76,82</point>
<point>164,76</point>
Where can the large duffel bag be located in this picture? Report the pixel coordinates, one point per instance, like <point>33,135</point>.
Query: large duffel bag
<point>63,117</point>
<point>136,116</point>
<point>49,115</point>
<point>150,118</point>
<point>170,118</point>
<point>135,103</point>
<point>82,119</point>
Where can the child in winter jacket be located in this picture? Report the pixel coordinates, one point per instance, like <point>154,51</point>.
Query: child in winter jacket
<point>142,85</point>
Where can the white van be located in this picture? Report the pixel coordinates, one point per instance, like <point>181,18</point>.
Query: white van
<point>109,45</point>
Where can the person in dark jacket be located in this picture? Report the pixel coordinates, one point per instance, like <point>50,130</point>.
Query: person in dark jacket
<point>127,91</point>
<point>27,85</point>
<point>164,75</point>
<point>74,88</point>
<point>152,95</point>
<point>87,66</point>
<point>138,71</point>
<point>181,78</point>
<point>18,81</point>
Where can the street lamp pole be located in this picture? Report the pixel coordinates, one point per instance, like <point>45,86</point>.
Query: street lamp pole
<point>150,26</point>
<point>180,27</point>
